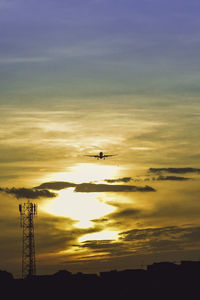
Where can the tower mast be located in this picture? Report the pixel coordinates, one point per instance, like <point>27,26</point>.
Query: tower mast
<point>27,212</point>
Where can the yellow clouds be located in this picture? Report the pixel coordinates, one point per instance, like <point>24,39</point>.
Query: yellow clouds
<point>35,143</point>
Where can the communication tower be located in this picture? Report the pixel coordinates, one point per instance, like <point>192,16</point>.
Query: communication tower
<point>27,212</point>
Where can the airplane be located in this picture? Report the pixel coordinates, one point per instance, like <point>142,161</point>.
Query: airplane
<point>100,156</point>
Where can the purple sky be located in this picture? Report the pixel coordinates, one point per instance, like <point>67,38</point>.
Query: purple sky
<point>110,47</point>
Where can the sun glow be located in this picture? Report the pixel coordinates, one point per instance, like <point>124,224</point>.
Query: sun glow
<point>85,172</point>
<point>80,207</point>
<point>97,236</point>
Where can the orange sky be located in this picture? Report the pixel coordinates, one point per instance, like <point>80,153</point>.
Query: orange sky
<point>94,231</point>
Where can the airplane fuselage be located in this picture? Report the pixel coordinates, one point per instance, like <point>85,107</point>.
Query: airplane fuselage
<point>101,155</point>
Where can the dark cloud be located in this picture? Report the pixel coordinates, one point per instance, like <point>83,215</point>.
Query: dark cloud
<point>151,233</point>
<point>56,185</point>
<point>28,193</point>
<point>100,220</point>
<point>99,244</point>
<point>172,178</point>
<point>109,247</point>
<point>137,241</point>
<point>129,212</point>
<point>124,179</point>
<point>120,217</point>
<point>98,188</point>
<point>95,188</point>
<point>163,239</point>
<point>161,178</point>
<point>174,170</point>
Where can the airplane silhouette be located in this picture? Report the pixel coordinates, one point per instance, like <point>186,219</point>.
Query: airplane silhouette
<point>100,156</point>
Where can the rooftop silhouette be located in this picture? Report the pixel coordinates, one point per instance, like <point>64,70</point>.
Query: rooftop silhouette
<point>163,280</point>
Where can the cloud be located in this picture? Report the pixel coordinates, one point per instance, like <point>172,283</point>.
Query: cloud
<point>20,60</point>
<point>100,220</point>
<point>57,185</point>
<point>151,233</point>
<point>55,239</point>
<point>108,247</point>
<point>161,178</point>
<point>95,188</point>
<point>172,178</point>
<point>121,218</point>
<point>126,213</point>
<point>174,170</point>
<point>143,241</point>
<point>124,179</point>
<point>98,188</point>
<point>28,193</point>
<point>59,237</point>
<point>163,239</point>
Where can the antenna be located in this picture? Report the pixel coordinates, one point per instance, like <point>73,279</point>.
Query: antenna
<point>27,212</point>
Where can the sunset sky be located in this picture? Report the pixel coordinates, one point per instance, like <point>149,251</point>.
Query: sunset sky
<point>82,76</point>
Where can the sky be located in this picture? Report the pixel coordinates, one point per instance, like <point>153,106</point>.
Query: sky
<point>80,77</point>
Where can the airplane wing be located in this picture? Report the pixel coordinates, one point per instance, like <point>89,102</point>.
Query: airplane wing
<point>110,155</point>
<point>92,155</point>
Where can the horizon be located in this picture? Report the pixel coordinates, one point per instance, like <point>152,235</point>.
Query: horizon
<point>161,266</point>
